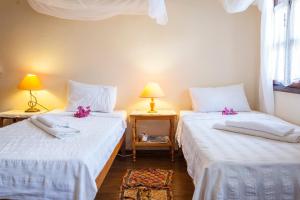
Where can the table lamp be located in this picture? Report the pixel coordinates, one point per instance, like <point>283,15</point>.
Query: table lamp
<point>152,90</point>
<point>31,82</point>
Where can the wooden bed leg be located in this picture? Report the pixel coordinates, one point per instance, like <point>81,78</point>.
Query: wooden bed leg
<point>1,122</point>
<point>123,148</point>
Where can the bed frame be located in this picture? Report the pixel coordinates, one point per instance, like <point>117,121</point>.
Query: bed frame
<point>100,178</point>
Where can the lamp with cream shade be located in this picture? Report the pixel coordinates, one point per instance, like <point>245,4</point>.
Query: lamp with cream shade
<point>152,90</point>
<point>31,82</point>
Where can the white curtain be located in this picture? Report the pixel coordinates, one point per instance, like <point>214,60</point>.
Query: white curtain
<point>266,94</point>
<point>279,50</point>
<point>287,42</point>
<point>233,6</point>
<point>295,41</point>
<point>101,9</point>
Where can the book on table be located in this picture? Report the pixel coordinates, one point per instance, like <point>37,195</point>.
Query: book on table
<point>153,138</point>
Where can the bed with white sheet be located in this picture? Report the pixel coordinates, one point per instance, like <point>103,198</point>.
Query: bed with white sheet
<point>226,165</point>
<point>36,165</point>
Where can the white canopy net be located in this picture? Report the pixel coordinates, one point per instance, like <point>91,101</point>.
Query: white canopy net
<point>101,9</point>
<point>234,6</point>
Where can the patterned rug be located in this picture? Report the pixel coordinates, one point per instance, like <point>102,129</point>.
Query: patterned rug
<point>147,184</point>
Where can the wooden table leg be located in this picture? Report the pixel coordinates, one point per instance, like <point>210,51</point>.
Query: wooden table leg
<point>1,122</point>
<point>172,138</point>
<point>123,148</point>
<point>133,139</point>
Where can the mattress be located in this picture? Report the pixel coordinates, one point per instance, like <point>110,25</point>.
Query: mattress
<point>36,165</point>
<point>226,165</point>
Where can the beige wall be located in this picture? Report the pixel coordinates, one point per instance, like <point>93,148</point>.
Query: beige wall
<point>202,45</point>
<point>287,106</point>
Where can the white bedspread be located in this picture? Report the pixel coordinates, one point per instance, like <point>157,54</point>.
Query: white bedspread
<point>226,166</point>
<point>36,165</point>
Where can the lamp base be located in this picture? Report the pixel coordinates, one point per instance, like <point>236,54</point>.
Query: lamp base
<point>152,106</point>
<point>152,111</point>
<point>32,103</point>
<point>32,110</point>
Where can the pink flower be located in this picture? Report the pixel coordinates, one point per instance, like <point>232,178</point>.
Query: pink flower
<point>82,112</point>
<point>227,111</point>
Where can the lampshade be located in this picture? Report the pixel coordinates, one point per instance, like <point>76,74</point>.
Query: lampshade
<point>30,82</point>
<point>152,90</point>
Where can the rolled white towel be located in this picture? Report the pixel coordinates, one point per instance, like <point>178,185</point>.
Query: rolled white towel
<point>52,121</point>
<point>270,126</point>
<point>59,132</point>
<point>292,137</point>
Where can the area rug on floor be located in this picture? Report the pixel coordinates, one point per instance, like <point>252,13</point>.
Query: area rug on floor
<point>147,184</point>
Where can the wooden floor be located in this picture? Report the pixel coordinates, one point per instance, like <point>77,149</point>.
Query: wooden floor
<point>183,187</point>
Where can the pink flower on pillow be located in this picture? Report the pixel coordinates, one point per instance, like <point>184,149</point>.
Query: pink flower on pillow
<point>227,111</point>
<point>82,112</point>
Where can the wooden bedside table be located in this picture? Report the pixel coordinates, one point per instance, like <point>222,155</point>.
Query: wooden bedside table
<point>16,115</point>
<point>168,115</point>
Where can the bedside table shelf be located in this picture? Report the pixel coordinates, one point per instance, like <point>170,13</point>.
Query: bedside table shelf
<point>166,115</point>
<point>153,144</point>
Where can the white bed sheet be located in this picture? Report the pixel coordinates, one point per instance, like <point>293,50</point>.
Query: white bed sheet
<point>227,165</point>
<point>36,165</point>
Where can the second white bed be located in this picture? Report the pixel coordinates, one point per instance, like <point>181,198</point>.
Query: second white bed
<point>36,165</point>
<point>227,165</point>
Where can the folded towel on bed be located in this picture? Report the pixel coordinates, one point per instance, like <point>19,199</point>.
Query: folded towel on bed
<point>293,137</point>
<point>265,125</point>
<point>59,132</point>
<point>52,121</point>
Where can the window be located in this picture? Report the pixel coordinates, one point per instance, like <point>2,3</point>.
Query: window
<point>286,51</point>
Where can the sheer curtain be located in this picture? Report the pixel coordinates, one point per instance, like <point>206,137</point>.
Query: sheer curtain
<point>266,94</point>
<point>295,41</point>
<point>101,9</point>
<point>287,42</point>
<point>280,35</point>
<point>233,6</point>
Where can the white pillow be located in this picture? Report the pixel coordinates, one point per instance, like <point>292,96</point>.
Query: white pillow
<point>216,99</point>
<point>100,98</point>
